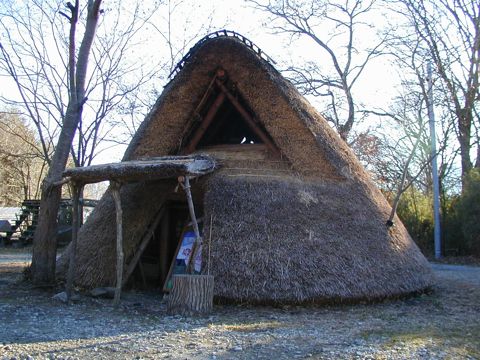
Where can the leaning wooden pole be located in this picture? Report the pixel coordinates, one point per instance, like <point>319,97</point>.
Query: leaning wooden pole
<point>115,188</point>
<point>76,190</point>
<point>191,294</point>
<point>191,208</point>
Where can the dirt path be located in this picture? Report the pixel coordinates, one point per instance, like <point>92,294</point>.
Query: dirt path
<point>15,258</point>
<point>442,325</point>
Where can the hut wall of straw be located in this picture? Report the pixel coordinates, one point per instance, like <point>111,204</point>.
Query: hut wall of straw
<point>300,243</point>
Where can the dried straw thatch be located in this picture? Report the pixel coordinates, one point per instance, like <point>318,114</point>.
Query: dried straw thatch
<point>306,241</point>
<point>305,226</point>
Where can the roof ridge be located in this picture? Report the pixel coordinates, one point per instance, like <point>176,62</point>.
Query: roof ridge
<point>217,34</point>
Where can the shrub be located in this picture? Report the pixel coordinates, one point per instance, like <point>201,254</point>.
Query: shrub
<point>468,213</point>
<point>415,211</point>
<point>460,219</point>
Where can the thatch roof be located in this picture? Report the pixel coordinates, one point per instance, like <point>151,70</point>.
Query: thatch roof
<point>307,226</point>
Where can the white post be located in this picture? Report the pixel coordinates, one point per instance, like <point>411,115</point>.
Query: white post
<point>436,187</point>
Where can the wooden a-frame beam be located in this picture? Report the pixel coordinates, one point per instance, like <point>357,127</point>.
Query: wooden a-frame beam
<point>248,118</point>
<point>207,120</point>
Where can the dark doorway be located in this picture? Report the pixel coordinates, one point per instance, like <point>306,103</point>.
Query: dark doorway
<point>157,257</point>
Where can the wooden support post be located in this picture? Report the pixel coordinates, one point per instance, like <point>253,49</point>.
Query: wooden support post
<point>164,248</point>
<point>115,188</point>
<point>191,294</point>
<point>77,189</point>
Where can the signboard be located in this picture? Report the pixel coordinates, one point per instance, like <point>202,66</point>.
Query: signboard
<point>186,246</point>
<point>182,257</point>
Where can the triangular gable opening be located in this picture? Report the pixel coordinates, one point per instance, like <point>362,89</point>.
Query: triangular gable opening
<point>224,118</point>
<point>228,128</point>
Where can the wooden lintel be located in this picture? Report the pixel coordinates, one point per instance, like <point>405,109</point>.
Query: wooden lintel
<point>207,120</point>
<point>248,118</point>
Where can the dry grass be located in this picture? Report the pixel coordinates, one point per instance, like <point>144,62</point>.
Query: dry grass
<point>462,339</point>
<point>249,327</point>
<point>298,130</point>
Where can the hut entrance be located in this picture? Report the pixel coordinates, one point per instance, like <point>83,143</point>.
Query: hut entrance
<point>154,264</point>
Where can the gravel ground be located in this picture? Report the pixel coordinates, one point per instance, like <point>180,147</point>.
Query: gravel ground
<point>441,325</point>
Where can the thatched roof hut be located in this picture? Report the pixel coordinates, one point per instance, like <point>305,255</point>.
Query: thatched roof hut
<point>290,217</point>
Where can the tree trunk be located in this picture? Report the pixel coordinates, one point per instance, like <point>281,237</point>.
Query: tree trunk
<point>477,162</point>
<point>464,138</point>
<point>191,294</point>
<point>344,130</point>
<point>45,240</point>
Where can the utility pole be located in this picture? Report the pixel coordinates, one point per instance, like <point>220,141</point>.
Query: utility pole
<point>436,187</point>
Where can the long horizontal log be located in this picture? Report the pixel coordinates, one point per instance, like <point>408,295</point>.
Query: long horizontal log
<point>139,170</point>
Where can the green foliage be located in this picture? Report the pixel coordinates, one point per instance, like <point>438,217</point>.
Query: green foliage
<point>468,212</point>
<point>415,210</point>
<point>460,216</point>
<point>451,236</point>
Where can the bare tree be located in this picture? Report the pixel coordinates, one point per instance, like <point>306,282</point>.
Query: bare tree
<point>33,54</point>
<point>35,50</point>
<point>175,28</point>
<point>450,32</point>
<point>179,31</point>
<point>334,27</point>
<point>407,144</point>
<point>44,245</point>
<point>38,52</point>
<point>22,165</point>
